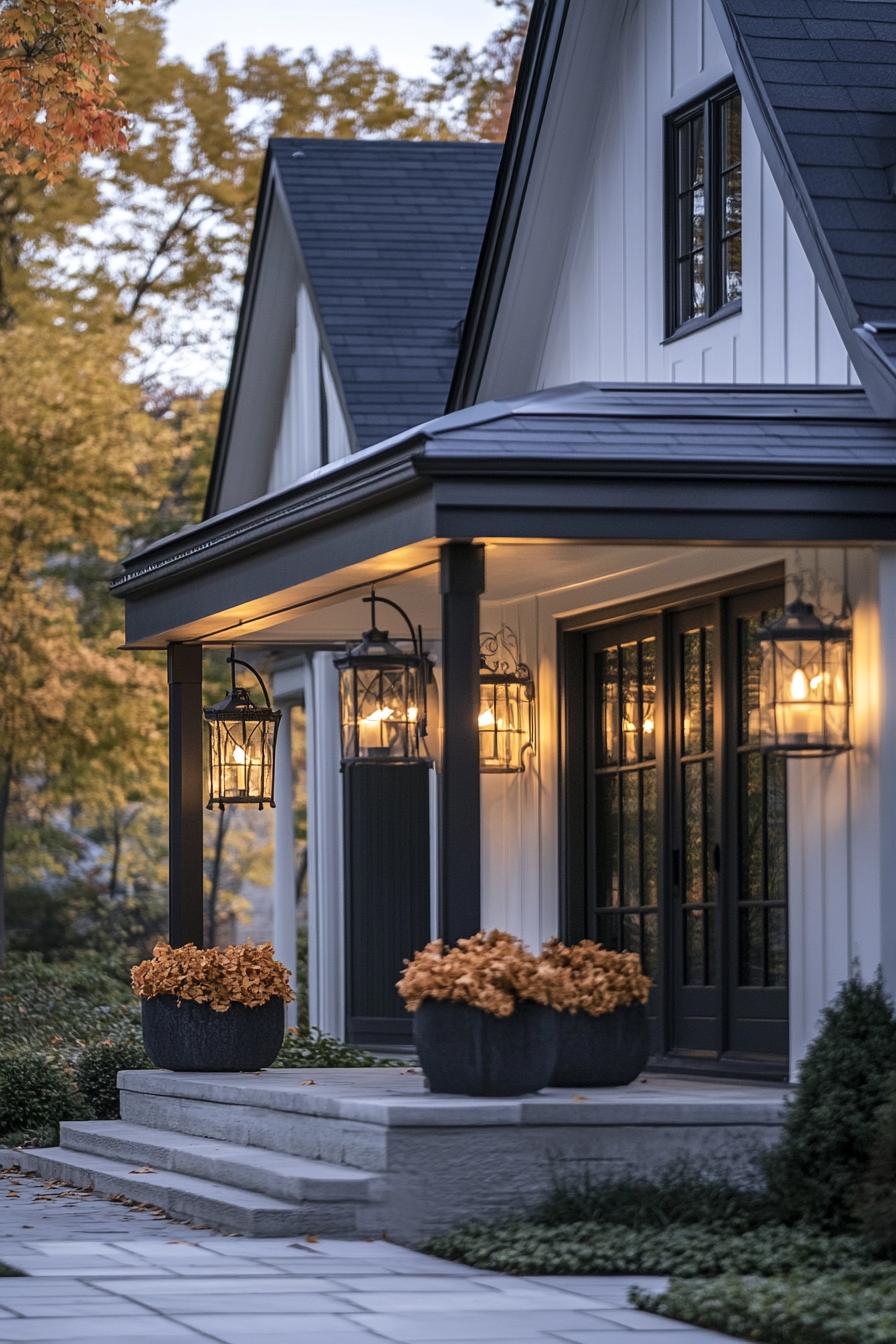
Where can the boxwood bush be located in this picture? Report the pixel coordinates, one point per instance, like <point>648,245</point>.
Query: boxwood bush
<point>35,1094</point>
<point>96,1071</point>
<point>814,1172</point>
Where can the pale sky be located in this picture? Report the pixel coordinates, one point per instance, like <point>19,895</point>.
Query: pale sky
<point>403,31</point>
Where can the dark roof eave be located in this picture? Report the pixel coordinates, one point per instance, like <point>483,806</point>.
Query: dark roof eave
<point>506,491</point>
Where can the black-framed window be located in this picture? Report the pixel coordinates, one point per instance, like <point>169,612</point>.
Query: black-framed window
<point>703,209</point>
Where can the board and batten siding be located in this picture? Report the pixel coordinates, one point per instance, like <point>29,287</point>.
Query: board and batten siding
<point>607,322</point>
<point>299,448</point>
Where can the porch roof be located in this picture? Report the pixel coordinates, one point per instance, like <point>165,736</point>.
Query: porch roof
<point>586,463</point>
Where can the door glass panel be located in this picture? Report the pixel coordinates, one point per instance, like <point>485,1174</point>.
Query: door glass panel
<point>648,699</point>
<point>694,838</point>
<point>608,681</point>
<point>692,723</point>
<point>631,703</point>
<point>624,845</point>
<point>707,687</point>
<point>631,839</point>
<point>607,840</point>
<point>695,947</point>
<point>762,829</point>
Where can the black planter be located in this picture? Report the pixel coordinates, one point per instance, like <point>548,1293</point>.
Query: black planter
<point>465,1050</point>
<point>606,1051</point>
<point>191,1038</point>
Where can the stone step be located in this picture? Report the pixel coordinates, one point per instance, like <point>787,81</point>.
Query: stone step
<point>331,1139</point>
<point>296,1179</point>
<point>211,1203</point>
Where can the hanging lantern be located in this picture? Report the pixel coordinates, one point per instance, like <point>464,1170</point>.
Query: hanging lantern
<point>506,704</point>
<point>383,692</point>
<point>242,740</point>
<point>805,683</point>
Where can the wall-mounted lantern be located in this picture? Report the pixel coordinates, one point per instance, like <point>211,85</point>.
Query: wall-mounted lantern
<point>805,683</point>
<point>242,742</point>
<point>506,704</point>
<point>383,692</point>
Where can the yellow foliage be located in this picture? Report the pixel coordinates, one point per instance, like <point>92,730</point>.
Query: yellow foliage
<point>218,976</point>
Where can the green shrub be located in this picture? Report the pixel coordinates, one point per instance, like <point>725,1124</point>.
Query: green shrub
<point>59,1006</point>
<point>35,1094</point>
<point>814,1171</point>
<point>853,1307</point>
<point>689,1250</point>
<point>314,1050</point>
<point>680,1195</point>
<point>96,1070</point>
<point>874,1204</point>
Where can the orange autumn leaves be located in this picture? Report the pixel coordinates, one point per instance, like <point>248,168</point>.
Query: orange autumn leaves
<point>218,976</point>
<point>493,971</point>
<point>57,86</point>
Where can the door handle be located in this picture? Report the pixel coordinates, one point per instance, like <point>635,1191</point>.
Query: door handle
<point>717,857</point>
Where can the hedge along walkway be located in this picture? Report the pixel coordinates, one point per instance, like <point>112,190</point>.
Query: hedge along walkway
<point>99,1270</point>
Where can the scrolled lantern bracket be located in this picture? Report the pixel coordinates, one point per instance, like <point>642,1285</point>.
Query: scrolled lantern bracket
<point>506,704</point>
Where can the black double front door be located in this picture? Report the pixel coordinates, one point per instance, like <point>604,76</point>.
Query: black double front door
<point>676,824</point>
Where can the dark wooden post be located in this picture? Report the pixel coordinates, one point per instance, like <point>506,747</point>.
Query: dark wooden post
<point>185,923</point>
<point>462,580</point>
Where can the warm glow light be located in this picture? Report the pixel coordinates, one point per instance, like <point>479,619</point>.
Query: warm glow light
<point>412,713</point>
<point>628,726</point>
<point>239,755</point>
<point>378,715</point>
<point>486,719</point>
<point>648,724</point>
<point>799,685</point>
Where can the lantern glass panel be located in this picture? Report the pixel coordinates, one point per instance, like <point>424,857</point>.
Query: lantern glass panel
<point>380,709</point>
<point>805,693</point>
<point>504,727</point>
<point>241,760</point>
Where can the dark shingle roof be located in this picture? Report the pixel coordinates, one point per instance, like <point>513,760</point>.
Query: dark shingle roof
<point>691,423</point>
<point>390,231</point>
<point>824,72</point>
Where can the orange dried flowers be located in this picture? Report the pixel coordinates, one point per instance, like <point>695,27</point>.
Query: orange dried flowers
<point>493,971</point>
<point>590,978</point>
<point>219,976</point>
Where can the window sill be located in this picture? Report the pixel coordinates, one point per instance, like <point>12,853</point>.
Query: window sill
<point>699,323</point>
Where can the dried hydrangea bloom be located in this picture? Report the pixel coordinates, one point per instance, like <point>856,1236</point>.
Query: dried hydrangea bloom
<point>491,971</point>
<point>218,976</point>
<point>590,978</point>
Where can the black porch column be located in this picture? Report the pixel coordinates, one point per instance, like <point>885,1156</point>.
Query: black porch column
<point>462,580</point>
<point>185,884</point>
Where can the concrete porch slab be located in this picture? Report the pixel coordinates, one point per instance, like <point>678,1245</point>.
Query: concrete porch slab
<point>398,1098</point>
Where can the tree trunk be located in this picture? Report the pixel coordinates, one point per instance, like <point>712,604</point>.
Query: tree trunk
<point>115,862</point>
<point>215,878</point>
<point>5,789</point>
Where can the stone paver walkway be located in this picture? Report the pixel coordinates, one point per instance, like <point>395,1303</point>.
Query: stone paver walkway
<point>102,1271</point>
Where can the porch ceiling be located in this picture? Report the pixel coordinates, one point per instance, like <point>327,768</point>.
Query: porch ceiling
<point>659,465</point>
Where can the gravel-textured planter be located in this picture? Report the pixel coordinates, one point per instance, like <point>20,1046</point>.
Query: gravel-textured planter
<point>605,1051</point>
<point>465,1050</point>
<point>192,1038</point>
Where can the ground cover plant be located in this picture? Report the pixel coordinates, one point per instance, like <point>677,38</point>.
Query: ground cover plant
<point>800,1253</point>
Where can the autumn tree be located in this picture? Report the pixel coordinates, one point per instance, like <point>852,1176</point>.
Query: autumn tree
<point>106,274</point>
<point>57,92</point>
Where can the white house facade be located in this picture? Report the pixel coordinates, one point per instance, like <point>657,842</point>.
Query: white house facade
<point>615,396</point>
